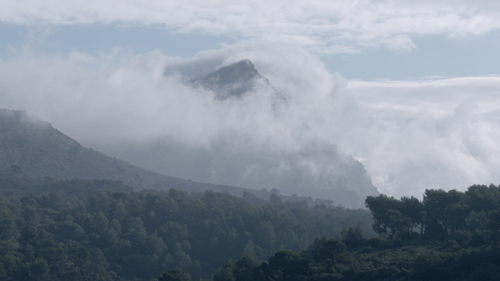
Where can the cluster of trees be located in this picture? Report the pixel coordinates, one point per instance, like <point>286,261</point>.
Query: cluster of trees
<point>331,259</point>
<point>13,182</point>
<point>324,258</point>
<point>473,214</point>
<point>128,235</point>
<point>449,235</point>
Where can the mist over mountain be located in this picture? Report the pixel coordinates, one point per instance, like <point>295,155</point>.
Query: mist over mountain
<point>231,81</point>
<point>147,102</point>
<point>437,133</point>
<point>316,168</point>
<point>38,149</point>
<point>235,81</point>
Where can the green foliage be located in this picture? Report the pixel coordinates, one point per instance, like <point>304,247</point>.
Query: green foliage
<point>13,182</point>
<point>175,275</point>
<point>472,216</point>
<point>328,259</point>
<point>438,238</point>
<point>353,237</point>
<point>70,230</point>
<point>332,252</point>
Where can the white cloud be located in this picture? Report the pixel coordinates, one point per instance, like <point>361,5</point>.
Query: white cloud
<point>429,134</point>
<point>320,26</point>
<point>410,135</point>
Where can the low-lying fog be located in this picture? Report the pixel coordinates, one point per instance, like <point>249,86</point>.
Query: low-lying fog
<point>409,135</point>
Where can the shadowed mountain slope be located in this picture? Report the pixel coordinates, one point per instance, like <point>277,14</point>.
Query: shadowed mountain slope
<point>40,150</point>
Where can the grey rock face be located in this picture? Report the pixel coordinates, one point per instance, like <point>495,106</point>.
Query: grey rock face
<point>235,81</point>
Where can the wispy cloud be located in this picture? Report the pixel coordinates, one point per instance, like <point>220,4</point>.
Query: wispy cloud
<point>320,26</point>
<point>410,135</point>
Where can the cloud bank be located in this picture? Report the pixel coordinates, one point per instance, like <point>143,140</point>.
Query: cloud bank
<point>320,26</point>
<point>439,133</point>
<point>430,134</point>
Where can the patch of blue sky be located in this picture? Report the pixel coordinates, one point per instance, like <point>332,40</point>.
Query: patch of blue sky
<point>12,36</point>
<point>433,56</point>
<point>95,38</point>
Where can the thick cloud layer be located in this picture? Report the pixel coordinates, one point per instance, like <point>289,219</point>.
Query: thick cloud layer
<point>430,134</point>
<point>321,26</point>
<point>409,135</point>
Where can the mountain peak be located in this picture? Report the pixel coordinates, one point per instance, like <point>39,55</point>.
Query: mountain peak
<point>233,80</point>
<point>19,120</point>
<point>236,72</point>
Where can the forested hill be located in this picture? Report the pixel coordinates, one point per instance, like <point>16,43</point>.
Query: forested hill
<point>68,230</point>
<point>71,231</point>
<point>447,236</point>
<point>40,150</point>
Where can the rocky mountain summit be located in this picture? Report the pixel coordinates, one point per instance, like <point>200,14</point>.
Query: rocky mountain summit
<point>235,81</point>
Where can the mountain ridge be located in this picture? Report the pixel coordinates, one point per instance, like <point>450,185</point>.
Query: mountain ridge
<point>41,150</point>
<point>32,146</point>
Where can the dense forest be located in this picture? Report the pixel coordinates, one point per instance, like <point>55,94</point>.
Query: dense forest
<point>101,230</point>
<point>449,235</point>
<point>76,229</point>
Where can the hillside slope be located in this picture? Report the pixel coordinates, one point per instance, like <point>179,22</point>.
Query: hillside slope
<point>41,150</point>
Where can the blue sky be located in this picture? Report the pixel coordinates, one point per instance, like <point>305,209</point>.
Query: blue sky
<point>96,38</point>
<point>416,98</point>
<point>364,39</point>
<point>432,55</point>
